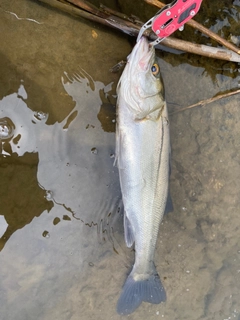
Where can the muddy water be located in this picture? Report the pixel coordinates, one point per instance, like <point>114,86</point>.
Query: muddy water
<point>61,238</point>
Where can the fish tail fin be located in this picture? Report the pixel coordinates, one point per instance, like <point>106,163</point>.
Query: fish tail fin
<point>149,289</point>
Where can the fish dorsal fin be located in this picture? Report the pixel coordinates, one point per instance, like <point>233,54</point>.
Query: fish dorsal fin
<point>128,232</point>
<point>169,204</point>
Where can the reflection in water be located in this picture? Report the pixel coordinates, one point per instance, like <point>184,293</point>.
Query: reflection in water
<point>6,128</point>
<point>3,225</point>
<point>107,112</point>
<point>77,158</point>
<point>51,168</point>
<point>21,197</point>
<point>39,115</point>
<point>68,164</point>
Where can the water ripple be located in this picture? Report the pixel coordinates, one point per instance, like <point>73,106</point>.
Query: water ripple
<point>7,128</point>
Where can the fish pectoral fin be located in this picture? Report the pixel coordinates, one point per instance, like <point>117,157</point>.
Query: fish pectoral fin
<point>128,232</point>
<point>169,204</point>
<point>118,152</point>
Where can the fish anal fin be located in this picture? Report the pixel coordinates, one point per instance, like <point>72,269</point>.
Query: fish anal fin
<point>128,232</point>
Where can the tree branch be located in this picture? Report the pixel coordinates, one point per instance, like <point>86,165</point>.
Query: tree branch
<point>201,28</point>
<point>207,101</point>
<point>84,9</point>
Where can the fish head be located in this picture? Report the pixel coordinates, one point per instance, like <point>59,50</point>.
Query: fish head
<point>141,85</point>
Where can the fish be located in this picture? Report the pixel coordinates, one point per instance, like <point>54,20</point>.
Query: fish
<point>143,161</point>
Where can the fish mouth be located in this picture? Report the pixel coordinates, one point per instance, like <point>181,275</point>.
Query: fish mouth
<point>142,53</point>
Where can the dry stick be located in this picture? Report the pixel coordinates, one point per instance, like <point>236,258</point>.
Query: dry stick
<point>133,30</point>
<point>121,15</point>
<point>114,12</point>
<point>207,51</point>
<point>201,28</point>
<point>71,9</point>
<point>111,21</point>
<point>85,5</point>
<point>207,101</point>
<point>185,46</point>
<point>112,18</point>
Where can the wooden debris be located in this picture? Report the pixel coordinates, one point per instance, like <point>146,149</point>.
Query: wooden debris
<point>207,101</point>
<point>201,28</point>
<point>110,18</point>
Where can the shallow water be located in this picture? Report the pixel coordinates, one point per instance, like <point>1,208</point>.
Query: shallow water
<point>62,248</point>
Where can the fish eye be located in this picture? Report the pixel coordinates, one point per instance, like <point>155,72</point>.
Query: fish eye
<point>155,69</point>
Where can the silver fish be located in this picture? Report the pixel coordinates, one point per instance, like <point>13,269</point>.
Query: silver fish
<point>143,157</point>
